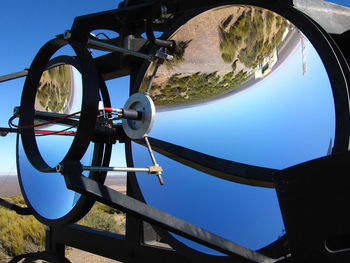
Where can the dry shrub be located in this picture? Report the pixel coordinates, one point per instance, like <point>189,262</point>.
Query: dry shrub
<point>19,234</point>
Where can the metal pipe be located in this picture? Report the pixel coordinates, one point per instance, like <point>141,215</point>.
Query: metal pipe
<point>158,173</point>
<point>111,47</point>
<point>12,76</point>
<point>149,86</point>
<point>53,115</point>
<point>115,169</point>
<point>150,151</point>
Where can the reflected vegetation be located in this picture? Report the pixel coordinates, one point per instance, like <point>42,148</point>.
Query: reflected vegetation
<point>252,38</point>
<point>218,52</point>
<point>246,87</point>
<point>60,92</point>
<point>55,89</point>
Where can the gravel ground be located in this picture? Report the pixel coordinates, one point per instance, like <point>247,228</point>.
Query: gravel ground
<point>79,256</point>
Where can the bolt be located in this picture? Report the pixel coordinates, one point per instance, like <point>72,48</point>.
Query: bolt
<point>67,34</point>
<point>16,111</point>
<point>60,168</point>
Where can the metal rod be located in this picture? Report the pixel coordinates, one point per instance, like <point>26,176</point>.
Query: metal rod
<point>54,115</point>
<point>149,86</point>
<point>12,76</point>
<point>111,47</point>
<point>115,169</point>
<point>150,151</point>
<point>159,174</point>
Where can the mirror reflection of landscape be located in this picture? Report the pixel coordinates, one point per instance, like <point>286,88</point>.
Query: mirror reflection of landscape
<point>55,89</point>
<point>59,92</point>
<point>246,86</point>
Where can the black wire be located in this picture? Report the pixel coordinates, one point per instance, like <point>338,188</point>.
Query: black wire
<point>11,125</point>
<point>101,33</point>
<point>53,133</point>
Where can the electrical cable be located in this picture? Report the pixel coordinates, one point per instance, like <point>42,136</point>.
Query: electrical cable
<point>11,124</point>
<point>62,132</point>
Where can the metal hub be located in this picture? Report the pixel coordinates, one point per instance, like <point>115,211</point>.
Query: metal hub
<point>138,129</point>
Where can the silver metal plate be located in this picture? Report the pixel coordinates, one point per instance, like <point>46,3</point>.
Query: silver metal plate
<point>137,129</point>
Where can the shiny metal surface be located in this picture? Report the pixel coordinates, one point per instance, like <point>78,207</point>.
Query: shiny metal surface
<point>59,94</point>
<point>246,86</point>
<point>137,129</point>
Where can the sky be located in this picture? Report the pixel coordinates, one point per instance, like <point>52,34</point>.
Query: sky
<point>25,26</point>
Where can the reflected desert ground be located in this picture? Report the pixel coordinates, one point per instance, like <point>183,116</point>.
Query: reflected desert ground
<point>217,52</point>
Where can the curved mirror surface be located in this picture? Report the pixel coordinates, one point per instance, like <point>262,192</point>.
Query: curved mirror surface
<point>58,95</point>
<point>245,86</point>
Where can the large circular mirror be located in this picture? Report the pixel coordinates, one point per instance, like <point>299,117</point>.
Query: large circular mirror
<point>246,94</point>
<point>57,106</point>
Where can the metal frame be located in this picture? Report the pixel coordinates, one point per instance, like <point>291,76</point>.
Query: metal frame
<point>89,109</point>
<point>291,183</point>
<point>101,154</point>
<point>336,66</point>
<point>135,208</point>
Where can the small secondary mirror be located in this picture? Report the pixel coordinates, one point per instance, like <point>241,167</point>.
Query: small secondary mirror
<point>247,86</point>
<point>57,106</point>
<point>56,89</point>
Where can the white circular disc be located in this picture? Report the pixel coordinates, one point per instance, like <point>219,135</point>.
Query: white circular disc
<point>137,129</point>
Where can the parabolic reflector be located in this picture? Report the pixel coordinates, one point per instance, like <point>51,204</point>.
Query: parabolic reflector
<point>246,94</point>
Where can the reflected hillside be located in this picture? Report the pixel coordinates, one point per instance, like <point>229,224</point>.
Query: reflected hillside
<point>218,52</point>
<point>54,90</point>
<point>252,37</point>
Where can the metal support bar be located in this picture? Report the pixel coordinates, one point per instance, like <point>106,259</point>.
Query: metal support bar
<point>112,245</point>
<point>150,81</point>
<point>159,173</point>
<point>108,196</point>
<point>159,54</point>
<point>18,209</point>
<point>54,115</point>
<point>115,48</point>
<point>150,169</point>
<point>12,76</point>
<point>53,247</point>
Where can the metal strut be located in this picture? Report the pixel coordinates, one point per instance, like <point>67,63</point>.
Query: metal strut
<point>160,170</point>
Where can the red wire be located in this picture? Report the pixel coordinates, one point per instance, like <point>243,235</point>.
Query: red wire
<point>108,109</point>
<point>45,123</point>
<point>38,132</point>
<point>56,133</point>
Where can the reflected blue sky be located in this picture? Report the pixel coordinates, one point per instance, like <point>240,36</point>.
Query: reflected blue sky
<point>47,192</point>
<point>285,119</point>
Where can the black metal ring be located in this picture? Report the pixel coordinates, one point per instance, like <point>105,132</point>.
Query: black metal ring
<point>101,156</point>
<point>89,108</point>
<point>334,64</point>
